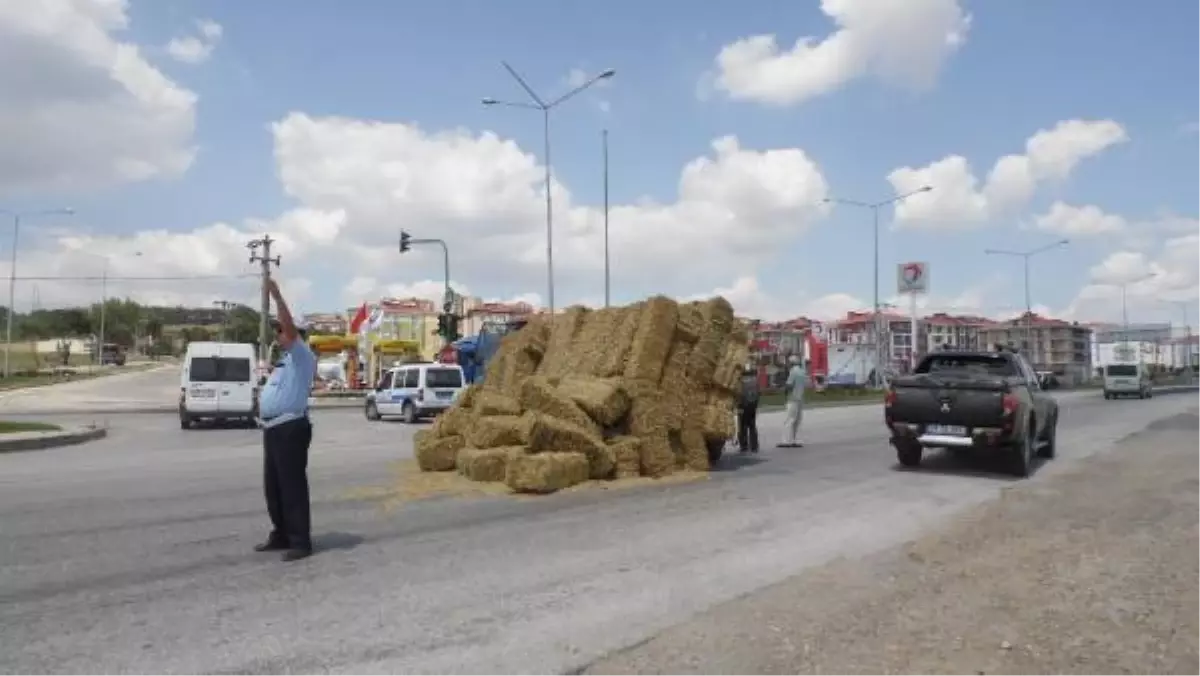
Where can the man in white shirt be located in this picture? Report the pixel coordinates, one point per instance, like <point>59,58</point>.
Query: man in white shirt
<point>794,413</point>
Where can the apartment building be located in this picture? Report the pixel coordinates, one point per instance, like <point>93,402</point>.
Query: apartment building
<point>1062,347</point>
<point>896,338</point>
<point>942,331</point>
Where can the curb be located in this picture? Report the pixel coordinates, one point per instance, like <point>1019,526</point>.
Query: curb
<point>36,441</point>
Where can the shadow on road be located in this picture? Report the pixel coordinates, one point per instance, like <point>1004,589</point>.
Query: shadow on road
<point>966,464</point>
<point>732,462</point>
<point>337,540</point>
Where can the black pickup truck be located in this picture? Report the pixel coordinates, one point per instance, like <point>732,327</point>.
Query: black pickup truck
<point>990,401</point>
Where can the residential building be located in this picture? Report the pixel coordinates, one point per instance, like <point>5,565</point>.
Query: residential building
<point>1055,345</point>
<point>327,323</point>
<point>942,331</point>
<point>896,339</point>
<point>476,313</point>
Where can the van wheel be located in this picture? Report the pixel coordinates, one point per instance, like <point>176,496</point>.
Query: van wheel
<point>372,411</point>
<point>185,422</point>
<point>409,412</point>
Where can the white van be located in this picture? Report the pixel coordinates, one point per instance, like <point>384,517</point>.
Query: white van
<point>413,391</point>
<point>1127,380</point>
<point>218,382</point>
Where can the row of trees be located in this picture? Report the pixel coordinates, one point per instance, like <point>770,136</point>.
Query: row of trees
<point>130,324</point>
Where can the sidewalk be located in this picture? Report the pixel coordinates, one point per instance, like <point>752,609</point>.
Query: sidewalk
<point>1091,570</point>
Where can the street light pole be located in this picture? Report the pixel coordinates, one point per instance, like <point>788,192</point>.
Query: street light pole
<point>875,207</point>
<point>12,273</point>
<point>538,103</point>
<point>607,277</point>
<point>1025,256</point>
<point>1125,312</point>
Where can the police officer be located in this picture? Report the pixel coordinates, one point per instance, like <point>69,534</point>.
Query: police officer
<point>287,433</point>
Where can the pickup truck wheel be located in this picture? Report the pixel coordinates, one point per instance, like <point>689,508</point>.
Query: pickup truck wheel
<point>1050,443</point>
<point>372,411</point>
<point>909,453</point>
<point>1022,454</point>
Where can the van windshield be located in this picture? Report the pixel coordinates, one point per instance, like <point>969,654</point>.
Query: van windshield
<point>219,370</point>
<point>443,378</point>
<point>1122,370</point>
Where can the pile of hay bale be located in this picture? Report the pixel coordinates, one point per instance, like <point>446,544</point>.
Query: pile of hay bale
<point>642,390</point>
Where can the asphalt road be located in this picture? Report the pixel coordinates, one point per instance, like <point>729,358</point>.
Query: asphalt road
<point>132,554</point>
<point>117,392</point>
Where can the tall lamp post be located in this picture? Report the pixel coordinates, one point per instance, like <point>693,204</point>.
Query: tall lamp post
<point>545,106</point>
<point>1183,306</point>
<point>104,305</point>
<point>1025,256</point>
<point>12,270</point>
<point>1125,310</point>
<point>607,275</point>
<point>875,207</point>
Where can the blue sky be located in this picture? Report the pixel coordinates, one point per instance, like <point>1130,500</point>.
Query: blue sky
<point>1023,67</point>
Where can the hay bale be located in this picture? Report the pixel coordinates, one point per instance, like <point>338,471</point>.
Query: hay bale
<point>466,398</point>
<point>486,464</point>
<point>616,353</point>
<point>627,456</point>
<point>601,462</point>
<point>694,448</point>
<point>648,417</point>
<point>545,472</point>
<point>496,403</point>
<point>656,458</point>
<point>728,374</point>
<point>539,396</point>
<point>518,367</point>
<point>454,420</point>
<point>675,385</point>
<point>591,343</point>
<point>437,454</point>
<point>495,431</point>
<point>533,338</point>
<point>717,419</point>
<point>562,336</point>
<point>547,434</point>
<point>691,323</point>
<point>652,341</point>
<point>603,399</point>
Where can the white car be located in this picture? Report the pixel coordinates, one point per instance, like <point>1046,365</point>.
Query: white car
<point>1127,380</point>
<point>414,391</point>
<point>218,382</point>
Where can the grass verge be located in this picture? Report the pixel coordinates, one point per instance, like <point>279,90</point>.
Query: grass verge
<point>13,427</point>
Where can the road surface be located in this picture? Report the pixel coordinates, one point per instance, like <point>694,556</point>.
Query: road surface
<point>118,392</point>
<point>133,553</point>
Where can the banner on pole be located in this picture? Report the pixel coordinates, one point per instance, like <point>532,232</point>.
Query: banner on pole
<point>912,278</point>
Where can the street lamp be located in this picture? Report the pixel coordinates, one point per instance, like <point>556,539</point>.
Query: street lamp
<point>12,269</point>
<point>104,304</point>
<point>875,207</point>
<point>1125,310</point>
<point>538,103</point>
<point>1187,334</point>
<point>1025,256</point>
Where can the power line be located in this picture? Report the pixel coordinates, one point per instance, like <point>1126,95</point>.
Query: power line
<point>163,278</point>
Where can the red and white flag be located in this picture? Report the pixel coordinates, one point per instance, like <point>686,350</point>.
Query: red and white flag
<point>359,318</point>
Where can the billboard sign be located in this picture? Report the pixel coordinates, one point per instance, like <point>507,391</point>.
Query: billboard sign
<point>912,278</point>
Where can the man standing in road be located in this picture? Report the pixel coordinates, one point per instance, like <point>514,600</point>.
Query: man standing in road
<point>748,413</point>
<point>796,381</point>
<point>287,433</point>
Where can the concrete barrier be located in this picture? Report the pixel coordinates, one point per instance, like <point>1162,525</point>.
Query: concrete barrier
<point>34,441</point>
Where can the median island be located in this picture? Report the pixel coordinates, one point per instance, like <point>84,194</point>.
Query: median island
<point>18,426</point>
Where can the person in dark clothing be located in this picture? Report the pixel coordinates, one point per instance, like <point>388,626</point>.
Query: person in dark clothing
<point>748,413</point>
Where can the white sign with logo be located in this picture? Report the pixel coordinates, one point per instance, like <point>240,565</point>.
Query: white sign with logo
<point>912,278</point>
<point>818,331</point>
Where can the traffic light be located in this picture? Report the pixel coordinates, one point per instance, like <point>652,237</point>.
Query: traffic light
<point>441,330</point>
<point>404,245</point>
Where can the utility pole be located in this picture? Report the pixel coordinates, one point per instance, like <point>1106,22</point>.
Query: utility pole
<point>607,276</point>
<point>224,305</point>
<point>447,324</point>
<point>1029,348</point>
<point>265,260</point>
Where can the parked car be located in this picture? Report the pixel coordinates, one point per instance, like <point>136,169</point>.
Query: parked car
<point>413,391</point>
<point>985,401</point>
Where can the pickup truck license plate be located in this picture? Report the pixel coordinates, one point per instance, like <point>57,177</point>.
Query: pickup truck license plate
<point>951,430</point>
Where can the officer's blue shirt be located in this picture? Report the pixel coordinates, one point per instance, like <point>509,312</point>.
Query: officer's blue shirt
<point>285,395</point>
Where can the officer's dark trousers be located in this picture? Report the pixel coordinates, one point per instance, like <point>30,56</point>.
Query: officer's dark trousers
<point>748,428</point>
<point>285,482</point>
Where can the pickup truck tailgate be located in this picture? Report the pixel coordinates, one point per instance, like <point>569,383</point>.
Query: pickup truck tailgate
<point>949,402</point>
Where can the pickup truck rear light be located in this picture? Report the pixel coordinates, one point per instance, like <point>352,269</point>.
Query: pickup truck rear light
<point>889,397</point>
<point>1009,403</point>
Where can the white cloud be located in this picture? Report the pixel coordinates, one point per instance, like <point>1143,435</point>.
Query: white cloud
<point>358,182</point>
<point>1076,221</point>
<point>196,49</point>
<point>1176,277</point>
<point>902,42</point>
<point>957,201</point>
<point>83,110</point>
